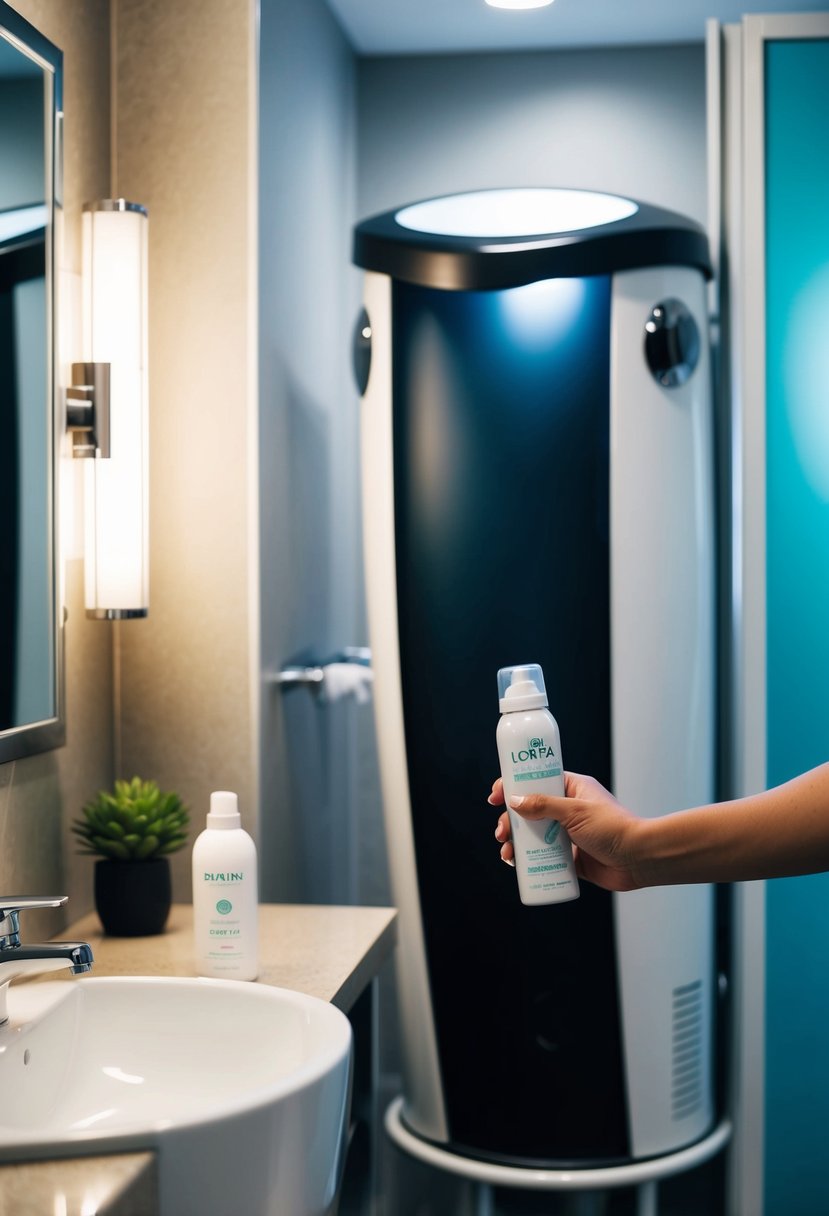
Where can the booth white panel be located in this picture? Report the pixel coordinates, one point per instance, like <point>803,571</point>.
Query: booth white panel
<point>662,682</point>
<point>424,1104</point>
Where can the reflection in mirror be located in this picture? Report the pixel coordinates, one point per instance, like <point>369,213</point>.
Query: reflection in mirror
<point>30,653</point>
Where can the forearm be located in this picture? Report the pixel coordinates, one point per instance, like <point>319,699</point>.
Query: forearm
<point>781,832</point>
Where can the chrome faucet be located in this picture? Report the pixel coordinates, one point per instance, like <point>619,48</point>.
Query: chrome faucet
<point>17,959</point>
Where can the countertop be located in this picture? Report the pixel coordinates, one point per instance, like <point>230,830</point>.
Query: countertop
<point>120,1185</point>
<point>329,952</point>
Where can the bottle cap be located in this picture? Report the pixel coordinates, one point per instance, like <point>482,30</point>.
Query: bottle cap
<point>521,687</point>
<point>224,810</point>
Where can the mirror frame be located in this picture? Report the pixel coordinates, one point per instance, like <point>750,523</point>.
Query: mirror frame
<point>28,739</point>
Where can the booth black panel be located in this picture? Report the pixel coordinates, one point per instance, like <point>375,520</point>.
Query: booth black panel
<point>501,473</point>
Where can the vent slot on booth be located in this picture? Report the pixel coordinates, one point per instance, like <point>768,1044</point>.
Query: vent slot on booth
<point>687,1077</point>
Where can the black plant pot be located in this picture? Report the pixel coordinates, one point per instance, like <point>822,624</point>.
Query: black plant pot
<point>133,898</point>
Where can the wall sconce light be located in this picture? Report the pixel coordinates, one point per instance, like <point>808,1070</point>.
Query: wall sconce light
<point>107,410</point>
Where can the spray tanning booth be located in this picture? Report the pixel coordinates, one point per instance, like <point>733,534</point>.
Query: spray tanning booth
<point>538,485</point>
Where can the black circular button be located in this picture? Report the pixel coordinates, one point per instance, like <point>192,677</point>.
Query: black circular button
<point>361,351</point>
<point>672,343</point>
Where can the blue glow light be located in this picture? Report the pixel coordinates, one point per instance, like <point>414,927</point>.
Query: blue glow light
<point>541,313</point>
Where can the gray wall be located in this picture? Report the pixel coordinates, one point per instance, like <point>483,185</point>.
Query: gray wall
<point>624,120</point>
<point>310,565</point>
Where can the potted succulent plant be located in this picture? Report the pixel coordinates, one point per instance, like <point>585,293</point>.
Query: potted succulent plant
<point>132,829</point>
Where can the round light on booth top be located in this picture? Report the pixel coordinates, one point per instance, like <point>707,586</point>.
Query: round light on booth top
<point>536,211</point>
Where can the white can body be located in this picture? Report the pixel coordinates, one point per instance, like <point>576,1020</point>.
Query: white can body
<point>529,751</point>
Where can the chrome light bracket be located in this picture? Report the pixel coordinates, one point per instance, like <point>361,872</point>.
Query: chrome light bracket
<point>87,410</point>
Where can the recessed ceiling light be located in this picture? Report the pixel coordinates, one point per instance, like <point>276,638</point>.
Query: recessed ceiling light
<point>518,3</point>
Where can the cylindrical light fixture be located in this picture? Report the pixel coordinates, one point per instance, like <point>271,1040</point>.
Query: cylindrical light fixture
<point>115,332</point>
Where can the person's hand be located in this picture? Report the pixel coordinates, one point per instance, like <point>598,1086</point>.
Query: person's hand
<point>607,839</point>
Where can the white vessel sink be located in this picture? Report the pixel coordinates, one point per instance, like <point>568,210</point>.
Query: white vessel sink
<point>242,1089</point>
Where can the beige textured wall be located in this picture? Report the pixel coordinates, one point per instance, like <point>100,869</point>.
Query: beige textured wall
<point>184,127</point>
<point>39,796</point>
<point>186,149</point>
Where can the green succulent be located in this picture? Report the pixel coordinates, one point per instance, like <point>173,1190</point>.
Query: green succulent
<point>135,822</point>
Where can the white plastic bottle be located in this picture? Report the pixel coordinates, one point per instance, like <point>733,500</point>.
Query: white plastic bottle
<point>225,895</point>
<point>529,751</point>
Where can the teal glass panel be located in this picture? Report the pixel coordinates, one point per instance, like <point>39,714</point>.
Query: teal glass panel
<point>797,506</point>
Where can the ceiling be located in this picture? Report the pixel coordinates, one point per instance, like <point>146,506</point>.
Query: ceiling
<point>416,27</point>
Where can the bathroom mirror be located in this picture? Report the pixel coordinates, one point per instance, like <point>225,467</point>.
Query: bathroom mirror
<point>31,612</point>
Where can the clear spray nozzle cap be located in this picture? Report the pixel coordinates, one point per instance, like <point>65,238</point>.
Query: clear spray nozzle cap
<point>521,687</point>
<point>224,810</point>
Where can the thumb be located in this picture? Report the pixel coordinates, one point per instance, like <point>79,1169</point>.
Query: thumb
<point>542,806</point>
